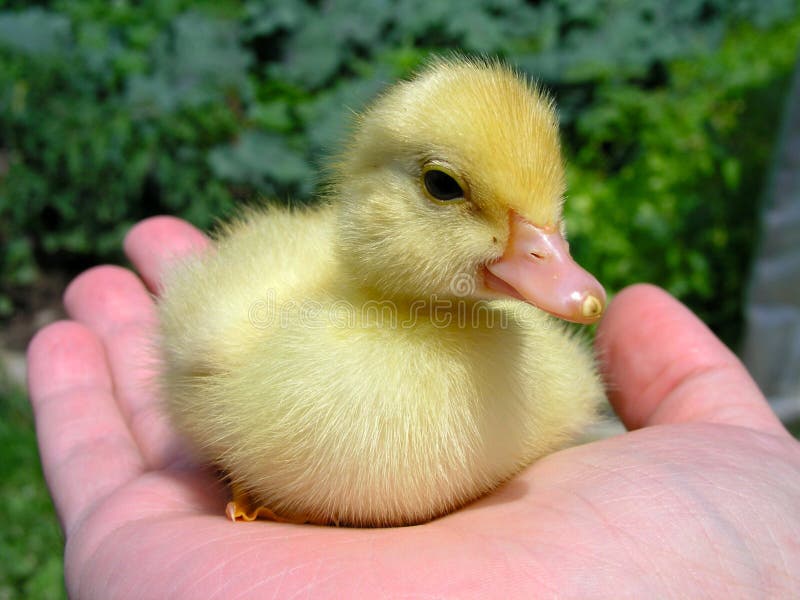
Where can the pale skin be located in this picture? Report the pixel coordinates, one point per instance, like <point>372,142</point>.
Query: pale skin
<point>701,498</point>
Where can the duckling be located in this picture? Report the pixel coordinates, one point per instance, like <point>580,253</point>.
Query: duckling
<point>392,354</point>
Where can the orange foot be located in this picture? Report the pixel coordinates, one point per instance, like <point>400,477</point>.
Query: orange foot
<point>243,508</point>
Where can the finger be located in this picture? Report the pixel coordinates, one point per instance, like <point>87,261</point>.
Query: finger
<point>155,243</point>
<point>86,448</point>
<point>114,303</point>
<point>663,365</point>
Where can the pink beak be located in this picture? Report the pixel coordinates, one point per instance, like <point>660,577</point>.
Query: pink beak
<point>537,268</point>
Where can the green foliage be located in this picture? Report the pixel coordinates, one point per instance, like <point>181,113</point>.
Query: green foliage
<point>110,112</point>
<point>30,539</point>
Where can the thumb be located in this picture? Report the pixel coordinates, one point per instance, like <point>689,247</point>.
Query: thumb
<point>663,365</point>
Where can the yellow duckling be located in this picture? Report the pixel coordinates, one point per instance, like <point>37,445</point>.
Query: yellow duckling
<point>386,357</point>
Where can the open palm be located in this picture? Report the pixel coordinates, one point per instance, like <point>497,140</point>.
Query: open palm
<point>700,499</point>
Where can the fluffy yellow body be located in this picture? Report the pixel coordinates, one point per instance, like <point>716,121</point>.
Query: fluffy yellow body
<point>343,364</point>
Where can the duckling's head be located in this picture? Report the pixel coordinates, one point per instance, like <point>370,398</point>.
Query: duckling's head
<point>452,184</point>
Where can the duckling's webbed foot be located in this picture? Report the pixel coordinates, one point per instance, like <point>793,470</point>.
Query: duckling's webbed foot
<point>243,508</point>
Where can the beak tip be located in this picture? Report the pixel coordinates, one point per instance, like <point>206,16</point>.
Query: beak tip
<point>592,307</point>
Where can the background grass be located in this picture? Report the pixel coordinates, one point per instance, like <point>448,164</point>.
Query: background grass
<point>31,544</point>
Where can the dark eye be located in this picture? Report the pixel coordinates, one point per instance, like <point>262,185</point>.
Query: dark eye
<point>441,186</point>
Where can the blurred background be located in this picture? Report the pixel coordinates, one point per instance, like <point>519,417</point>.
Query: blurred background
<point>680,120</point>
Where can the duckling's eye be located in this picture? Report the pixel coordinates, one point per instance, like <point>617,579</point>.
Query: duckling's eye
<point>442,186</point>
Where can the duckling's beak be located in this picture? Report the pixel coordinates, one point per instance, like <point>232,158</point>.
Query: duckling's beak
<point>537,268</point>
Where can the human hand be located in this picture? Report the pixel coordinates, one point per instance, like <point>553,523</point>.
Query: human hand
<point>701,499</point>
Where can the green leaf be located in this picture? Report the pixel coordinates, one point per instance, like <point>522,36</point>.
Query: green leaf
<point>258,159</point>
<point>199,61</point>
<point>35,32</point>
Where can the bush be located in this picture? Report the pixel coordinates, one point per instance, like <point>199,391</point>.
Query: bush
<point>110,112</point>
